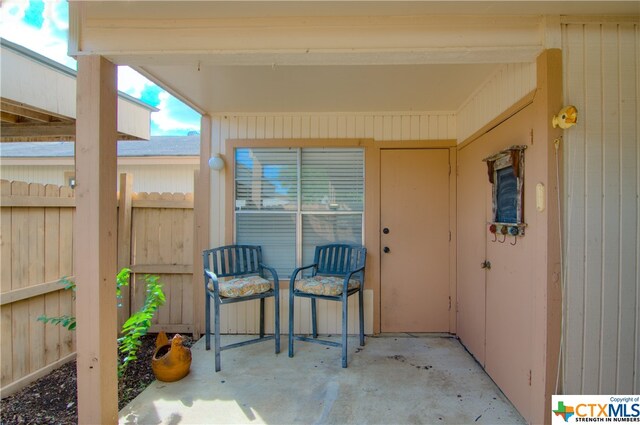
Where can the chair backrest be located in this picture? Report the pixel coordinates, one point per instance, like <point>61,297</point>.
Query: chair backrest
<point>339,259</point>
<point>233,260</point>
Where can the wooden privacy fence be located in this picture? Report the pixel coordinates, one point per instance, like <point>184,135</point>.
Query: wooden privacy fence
<point>36,250</point>
<point>155,236</point>
<point>161,241</point>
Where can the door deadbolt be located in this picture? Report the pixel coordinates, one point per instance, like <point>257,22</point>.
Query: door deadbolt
<point>385,230</point>
<point>486,264</point>
<point>386,250</point>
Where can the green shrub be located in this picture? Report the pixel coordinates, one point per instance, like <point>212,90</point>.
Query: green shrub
<point>134,328</point>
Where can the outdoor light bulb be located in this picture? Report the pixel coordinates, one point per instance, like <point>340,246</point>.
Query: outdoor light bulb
<point>216,163</point>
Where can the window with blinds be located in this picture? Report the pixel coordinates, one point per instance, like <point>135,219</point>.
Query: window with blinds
<point>290,200</point>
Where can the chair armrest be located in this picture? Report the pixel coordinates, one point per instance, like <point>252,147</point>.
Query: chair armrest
<point>210,275</point>
<point>274,274</point>
<point>347,277</point>
<point>295,273</point>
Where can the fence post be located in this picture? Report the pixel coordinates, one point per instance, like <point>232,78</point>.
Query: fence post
<point>201,218</point>
<point>124,241</point>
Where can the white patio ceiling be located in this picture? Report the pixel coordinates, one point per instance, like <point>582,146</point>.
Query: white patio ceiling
<point>292,56</point>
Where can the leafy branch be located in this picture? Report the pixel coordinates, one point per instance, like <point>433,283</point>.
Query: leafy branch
<point>66,321</point>
<point>136,325</point>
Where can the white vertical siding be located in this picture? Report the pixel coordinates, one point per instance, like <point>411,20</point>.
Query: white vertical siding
<point>504,88</point>
<point>602,158</point>
<point>396,126</point>
<point>146,178</point>
<point>43,174</point>
<point>175,178</point>
<point>239,318</point>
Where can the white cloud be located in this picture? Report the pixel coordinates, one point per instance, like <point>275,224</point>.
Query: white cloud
<point>45,40</point>
<point>51,41</point>
<point>131,82</point>
<point>165,118</point>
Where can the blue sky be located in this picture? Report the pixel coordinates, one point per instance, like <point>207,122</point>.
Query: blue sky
<point>43,26</point>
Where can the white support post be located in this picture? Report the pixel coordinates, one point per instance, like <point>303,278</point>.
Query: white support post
<point>95,240</point>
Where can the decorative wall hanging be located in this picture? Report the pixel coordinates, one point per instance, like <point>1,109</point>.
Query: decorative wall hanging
<point>506,174</point>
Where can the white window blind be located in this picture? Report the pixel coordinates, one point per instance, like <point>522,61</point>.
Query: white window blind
<point>332,179</point>
<point>320,229</point>
<point>290,200</point>
<point>276,233</point>
<point>266,179</point>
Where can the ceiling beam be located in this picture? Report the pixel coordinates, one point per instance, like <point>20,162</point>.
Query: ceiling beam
<point>417,56</point>
<point>28,130</point>
<point>7,117</point>
<point>26,111</point>
<point>306,40</point>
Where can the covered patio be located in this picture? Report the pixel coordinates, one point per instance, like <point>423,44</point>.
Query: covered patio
<point>395,378</point>
<point>411,86</point>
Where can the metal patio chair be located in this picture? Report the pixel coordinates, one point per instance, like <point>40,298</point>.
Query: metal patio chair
<point>336,273</point>
<point>249,281</point>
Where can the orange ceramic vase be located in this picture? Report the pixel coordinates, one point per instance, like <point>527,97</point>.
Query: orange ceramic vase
<point>171,362</point>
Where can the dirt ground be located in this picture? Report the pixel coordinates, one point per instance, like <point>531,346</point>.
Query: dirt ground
<point>52,398</point>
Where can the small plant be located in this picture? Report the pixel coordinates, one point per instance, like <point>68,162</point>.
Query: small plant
<point>65,321</point>
<point>136,325</point>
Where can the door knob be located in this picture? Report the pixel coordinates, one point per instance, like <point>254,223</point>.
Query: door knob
<point>385,230</point>
<point>386,249</point>
<point>486,264</point>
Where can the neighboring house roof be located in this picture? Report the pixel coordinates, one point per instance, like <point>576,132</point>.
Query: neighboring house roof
<point>39,100</point>
<point>156,147</point>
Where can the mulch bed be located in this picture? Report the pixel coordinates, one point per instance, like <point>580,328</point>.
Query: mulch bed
<point>52,398</point>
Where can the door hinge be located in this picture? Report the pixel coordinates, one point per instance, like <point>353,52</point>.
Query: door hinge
<point>449,169</point>
<point>532,136</point>
<point>449,235</point>
<point>449,303</point>
<point>529,377</point>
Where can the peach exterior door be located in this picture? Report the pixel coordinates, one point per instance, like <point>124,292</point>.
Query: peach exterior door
<point>474,191</point>
<point>509,309</point>
<point>495,317</point>
<point>414,236</point>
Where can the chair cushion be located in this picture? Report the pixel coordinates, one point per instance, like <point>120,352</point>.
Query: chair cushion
<point>324,285</point>
<point>242,286</point>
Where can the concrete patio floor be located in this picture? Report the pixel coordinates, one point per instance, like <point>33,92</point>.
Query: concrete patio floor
<point>394,379</point>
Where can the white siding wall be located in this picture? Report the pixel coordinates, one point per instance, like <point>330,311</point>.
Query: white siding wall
<point>241,318</point>
<point>504,88</point>
<point>28,81</point>
<point>602,161</point>
<point>146,178</point>
<point>44,174</point>
<point>161,178</point>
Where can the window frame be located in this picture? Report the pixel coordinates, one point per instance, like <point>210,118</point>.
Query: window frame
<point>300,212</point>
<point>222,187</point>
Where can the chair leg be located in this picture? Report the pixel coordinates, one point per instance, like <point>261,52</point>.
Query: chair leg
<point>314,318</point>
<point>216,327</point>
<point>291,296</point>
<point>277,325</point>
<point>207,321</point>
<point>261,317</point>
<point>361,314</point>
<point>344,329</point>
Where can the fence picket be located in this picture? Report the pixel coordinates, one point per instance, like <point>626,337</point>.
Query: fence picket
<point>36,247</point>
<point>52,272</point>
